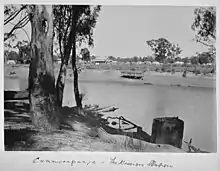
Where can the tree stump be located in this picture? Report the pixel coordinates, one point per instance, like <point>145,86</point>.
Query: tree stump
<point>167,130</point>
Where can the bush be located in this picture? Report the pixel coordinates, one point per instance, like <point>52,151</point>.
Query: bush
<point>163,69</point>
<point>197,71</point>
<point>173,71</point>
<point>157,69</point>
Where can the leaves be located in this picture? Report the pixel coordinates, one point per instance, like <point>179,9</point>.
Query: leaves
<point>205,57</point>
<point>85,18</point>
<point>163,49</point>
<point>24,51</point>
<point>204,25</point>
<point>85,54</point>
<point>62,23</point>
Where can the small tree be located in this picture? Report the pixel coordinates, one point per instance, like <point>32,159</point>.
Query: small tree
<point>205,58</point>
<point>12,55</point>
<point>24,51</point>
<point>162,49</point>
<point>178,59</point>
<point>93,57</point>
<point>135,59</point>
<point>170,60</point>
<point>111,58</point>
<point>185,60</point>
<point>74,25</point>
<point>194,60</point>
<point>85,54</point>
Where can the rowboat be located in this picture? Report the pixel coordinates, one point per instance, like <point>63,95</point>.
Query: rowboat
<point>125,127</point>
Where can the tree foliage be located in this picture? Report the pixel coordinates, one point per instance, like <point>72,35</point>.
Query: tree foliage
<point>177,59</point>
<point>194,60</point>
<point>162,49</point>
<point>186,60</point>
<point>85,54</point>
<point>204,25</point>
<point>86,22</point>
<point>85,17</point>
<point>205,57</point>
<point>24,49</point>
<point>112,58</point>
<point>11,55</point>
<point>62,28</point>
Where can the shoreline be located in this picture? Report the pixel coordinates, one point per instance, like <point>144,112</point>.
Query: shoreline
<point>150,78</point>
<point>114,76</point>
<point>96,76</point>
<point>85,138</point>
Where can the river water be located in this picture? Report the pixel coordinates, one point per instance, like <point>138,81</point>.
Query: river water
<point>142,103</point>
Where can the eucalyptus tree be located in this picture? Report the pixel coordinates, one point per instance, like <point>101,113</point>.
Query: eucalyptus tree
<point>74,26</point>
<point>42,93</point>
<point>204,25</point>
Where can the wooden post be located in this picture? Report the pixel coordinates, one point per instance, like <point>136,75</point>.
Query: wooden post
<point>167,130</point>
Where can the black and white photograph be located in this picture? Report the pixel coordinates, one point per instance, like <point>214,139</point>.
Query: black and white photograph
<point>110,78</point>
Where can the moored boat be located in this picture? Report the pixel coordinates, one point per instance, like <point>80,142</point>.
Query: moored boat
<point>132,74</point>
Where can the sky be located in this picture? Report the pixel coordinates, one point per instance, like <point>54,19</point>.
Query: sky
<point>122,31</point>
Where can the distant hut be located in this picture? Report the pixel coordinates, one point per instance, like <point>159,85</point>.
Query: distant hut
<point>11,62</point>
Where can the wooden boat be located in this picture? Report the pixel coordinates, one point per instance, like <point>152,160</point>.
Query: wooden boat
<point>131,129</point>
<point>132,74</point>
<point>136,134</point>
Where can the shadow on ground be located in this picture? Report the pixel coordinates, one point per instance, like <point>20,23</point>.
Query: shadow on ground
<point>20,134</point>
<point>17,124</point>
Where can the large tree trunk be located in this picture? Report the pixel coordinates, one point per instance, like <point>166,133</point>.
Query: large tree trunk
<point>42,94</point>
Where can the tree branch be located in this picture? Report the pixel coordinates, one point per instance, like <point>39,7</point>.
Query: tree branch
<point>24,31</point>
<point>204,43</point>
<point>23,22</point>
<point>12,16</point>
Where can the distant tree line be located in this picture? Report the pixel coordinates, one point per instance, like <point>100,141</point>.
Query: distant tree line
<point>199,58</point>
<point>22,56</point>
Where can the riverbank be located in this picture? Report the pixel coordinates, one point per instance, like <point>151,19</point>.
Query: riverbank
<point>77,133</point>
<point>150,78</point>
<point>107,76</point>
<point>20,135</point>
<point>20,74</point>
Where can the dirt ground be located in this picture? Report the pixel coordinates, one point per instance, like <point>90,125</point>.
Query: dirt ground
<point>20,135</point>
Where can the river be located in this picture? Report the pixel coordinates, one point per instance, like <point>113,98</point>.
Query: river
<point>142,103</point>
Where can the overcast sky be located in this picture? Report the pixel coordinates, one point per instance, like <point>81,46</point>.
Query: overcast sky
<point>122,31</point>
